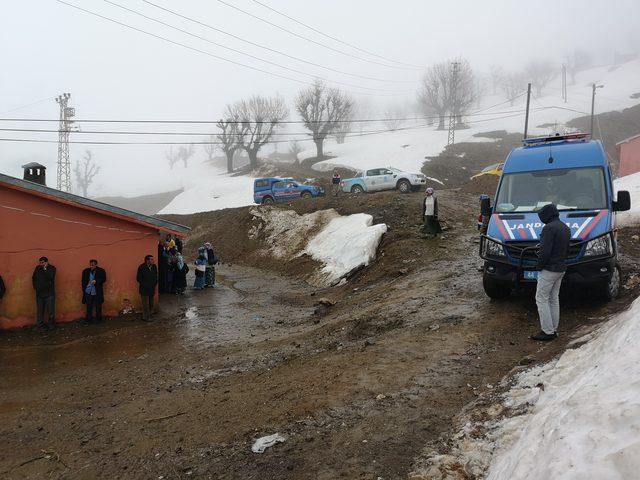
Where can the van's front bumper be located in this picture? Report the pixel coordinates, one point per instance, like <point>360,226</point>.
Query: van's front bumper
<point>595,271</point>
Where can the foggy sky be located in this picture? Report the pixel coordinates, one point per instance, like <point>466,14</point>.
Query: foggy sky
<point>47,48</point>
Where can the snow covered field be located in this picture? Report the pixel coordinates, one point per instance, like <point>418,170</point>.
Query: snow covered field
<point>632,184</point>
<point>340,243</point>
<point>207,188</point>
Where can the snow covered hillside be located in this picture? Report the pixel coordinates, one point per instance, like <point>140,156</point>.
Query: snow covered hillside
<point>407,148</point>
<point>340,243</point>
<point>207,188</point>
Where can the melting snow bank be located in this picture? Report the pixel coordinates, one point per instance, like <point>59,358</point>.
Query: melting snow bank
<point>341,244</point>
<point>576,417</point>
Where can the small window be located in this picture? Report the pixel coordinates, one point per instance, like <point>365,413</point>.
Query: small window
<point>373,173</point>
<point>278,185</point>
<point>262,183</point>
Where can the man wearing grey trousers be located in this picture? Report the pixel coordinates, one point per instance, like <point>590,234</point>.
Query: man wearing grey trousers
<point>554,245</point>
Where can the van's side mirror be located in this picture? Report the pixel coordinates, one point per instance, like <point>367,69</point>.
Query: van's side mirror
<point>623,202</point>
<point>485,206</point>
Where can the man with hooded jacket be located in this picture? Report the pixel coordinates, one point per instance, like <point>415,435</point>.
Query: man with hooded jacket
<point>552,253</point>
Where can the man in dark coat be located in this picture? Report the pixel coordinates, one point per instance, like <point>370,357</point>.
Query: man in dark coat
<point>431,225</point>
<point>147,277</point>
<point>554,245</point>
<point>43,279</point>
<point>93,279</point>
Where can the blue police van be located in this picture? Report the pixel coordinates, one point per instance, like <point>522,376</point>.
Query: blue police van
<point>572,172</point>
<point>275,189</point>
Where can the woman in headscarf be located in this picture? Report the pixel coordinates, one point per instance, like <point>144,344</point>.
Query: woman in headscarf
<point>180,270</point>
<point>201,265</point>
<point>431,224</point>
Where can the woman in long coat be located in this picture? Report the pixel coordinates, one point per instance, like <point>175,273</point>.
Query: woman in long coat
<point>431,224</point>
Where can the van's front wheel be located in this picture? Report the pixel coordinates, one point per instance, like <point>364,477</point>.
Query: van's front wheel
<point>494,289</point>
<point>611,289</point>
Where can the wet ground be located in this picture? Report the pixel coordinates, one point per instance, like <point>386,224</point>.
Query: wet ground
<point>358,389</point>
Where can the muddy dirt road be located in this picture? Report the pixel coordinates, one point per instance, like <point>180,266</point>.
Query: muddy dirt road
<point>358,390</point>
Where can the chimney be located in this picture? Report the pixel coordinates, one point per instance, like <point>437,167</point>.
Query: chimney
<point>36,173</point>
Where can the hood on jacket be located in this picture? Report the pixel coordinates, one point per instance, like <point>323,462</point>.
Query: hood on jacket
<point>548,213</point>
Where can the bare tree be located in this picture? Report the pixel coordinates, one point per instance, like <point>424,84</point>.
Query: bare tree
<point>230,136</point>
<point>341,131</point>
<point>210,148</point>
<point>443,92</point>
<point>393,119</point>
<point>433,93</point>
<point>540,74</point>
<point>259,118</point>
<point>181,154</point>
<point>323,110</point>
<point>463,89</point>
<point>85,171</point>
<point>496,72</point>
<point>295,149</point>
<point>512,86</point>
<point>576,61</point>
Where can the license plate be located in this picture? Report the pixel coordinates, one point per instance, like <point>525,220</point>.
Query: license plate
<point>531,275</point>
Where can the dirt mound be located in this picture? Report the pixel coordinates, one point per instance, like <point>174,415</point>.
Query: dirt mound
<point>482,184</point>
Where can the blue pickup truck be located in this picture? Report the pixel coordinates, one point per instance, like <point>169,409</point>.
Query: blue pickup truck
<point>572,172</point>
<point>275,189</point>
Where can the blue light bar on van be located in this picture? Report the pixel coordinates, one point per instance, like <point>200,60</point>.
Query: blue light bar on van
<point>530,142</point>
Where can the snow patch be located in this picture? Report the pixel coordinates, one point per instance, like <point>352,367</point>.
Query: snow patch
<point>340,243</point>
<point>345,244</point>
<point>632,184</point>
<point>575,417</point>
<point>262,443</point>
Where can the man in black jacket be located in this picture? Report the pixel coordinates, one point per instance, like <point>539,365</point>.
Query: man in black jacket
<point>93,279</point>
<point>554,245</point>
<point>43,279</point>
<point>147,279</point>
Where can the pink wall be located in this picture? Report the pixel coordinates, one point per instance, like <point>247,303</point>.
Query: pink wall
<point>629,154</point>
<point>32,226</point>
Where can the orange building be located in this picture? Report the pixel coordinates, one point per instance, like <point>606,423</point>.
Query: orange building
<point>629,155</point>
<point>36,221</point>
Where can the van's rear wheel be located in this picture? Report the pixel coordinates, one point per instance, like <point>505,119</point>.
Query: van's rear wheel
<point>267,200</point>
<point>404,186</point>
<point>495,289</point>
<point>611,289</point>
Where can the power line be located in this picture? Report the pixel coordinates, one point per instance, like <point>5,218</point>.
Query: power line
<point>269,49</point>
<point>201,51</point>
<point>264,20</point>
<point>42,100</point>
<point>334,38</point>
<point>283,122</point>
<point>204,39</point>
<point>377,132</point>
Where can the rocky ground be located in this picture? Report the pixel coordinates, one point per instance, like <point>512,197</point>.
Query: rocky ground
<point>359,378</point>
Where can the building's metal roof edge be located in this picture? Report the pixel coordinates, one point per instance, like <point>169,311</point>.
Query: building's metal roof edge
<point>628,139</point>
<point>87,202</point>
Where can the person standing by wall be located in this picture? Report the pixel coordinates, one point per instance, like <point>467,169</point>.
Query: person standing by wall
<point>201,267</point>
<point>93,279</point>
<point>43,279</point>
<point>180,275</point>
<point>431,225</point>
<point>554,245</point>
<point>147,277</point>
<point>210,271</point>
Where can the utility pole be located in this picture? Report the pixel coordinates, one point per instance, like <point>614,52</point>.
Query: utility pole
<point>526,115</point>
<point>64,164</point>
<point>452,118</point>
<point>593,104</point>
<point>564,82</point>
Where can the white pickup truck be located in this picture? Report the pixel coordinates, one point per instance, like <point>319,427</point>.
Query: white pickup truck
<point>377,179</point>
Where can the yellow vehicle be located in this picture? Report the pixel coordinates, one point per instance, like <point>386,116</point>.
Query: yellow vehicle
<point>495,169</point>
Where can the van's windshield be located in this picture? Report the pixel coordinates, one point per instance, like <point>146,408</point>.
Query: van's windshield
<point>569,189</point>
